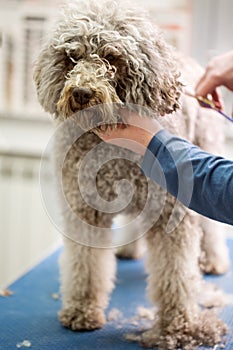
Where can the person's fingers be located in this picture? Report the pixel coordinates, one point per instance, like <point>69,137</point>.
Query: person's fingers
<point>110,134</point>
<point>205,86</point>
<point>136,121</point>
<point>216,97</point>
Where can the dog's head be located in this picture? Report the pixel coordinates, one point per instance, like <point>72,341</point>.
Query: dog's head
<point>104,53</point>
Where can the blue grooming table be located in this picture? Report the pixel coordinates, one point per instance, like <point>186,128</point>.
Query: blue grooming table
<point>31,312</point>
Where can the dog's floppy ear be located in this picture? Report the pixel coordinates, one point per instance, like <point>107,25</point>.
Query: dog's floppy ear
<point>49,75</point>
<point>162,76</point>
<point>154,65</point>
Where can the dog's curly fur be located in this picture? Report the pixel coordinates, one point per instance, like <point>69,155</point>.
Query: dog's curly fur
<point>115,52</point>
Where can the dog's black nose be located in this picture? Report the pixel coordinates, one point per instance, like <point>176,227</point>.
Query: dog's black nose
<point>82,95</point>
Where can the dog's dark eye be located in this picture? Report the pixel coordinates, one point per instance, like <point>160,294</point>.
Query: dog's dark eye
<point>73,55</point>
<point>110,58</point>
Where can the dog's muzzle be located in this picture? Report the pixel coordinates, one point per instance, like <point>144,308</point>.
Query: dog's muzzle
<point>88,85</point>
<point>82,95</point>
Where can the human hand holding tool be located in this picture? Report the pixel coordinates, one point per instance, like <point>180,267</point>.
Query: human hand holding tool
<point>205,102</point>
<point>219,72</point>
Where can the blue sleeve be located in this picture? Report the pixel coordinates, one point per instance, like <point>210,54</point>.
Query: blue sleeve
<point>201,181</point>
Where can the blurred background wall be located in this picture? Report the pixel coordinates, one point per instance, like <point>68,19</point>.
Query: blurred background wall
<point>201,28</point>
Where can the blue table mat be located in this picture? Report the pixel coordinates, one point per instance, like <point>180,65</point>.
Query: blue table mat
<point>31,312</point>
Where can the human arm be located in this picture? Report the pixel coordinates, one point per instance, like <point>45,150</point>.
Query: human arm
<point>201,181</point>
<point>136,135</point>
<point>219,72</point>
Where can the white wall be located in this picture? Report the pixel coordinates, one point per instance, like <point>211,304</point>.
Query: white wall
<point>212,35</point>
<point>212,28</point>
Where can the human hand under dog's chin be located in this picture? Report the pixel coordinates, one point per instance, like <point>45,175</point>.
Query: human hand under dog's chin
<point>134,135</point>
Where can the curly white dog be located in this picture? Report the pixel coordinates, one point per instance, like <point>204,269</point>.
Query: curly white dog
<point>103,52</point>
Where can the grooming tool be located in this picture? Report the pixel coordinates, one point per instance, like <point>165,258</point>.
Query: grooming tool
<point>207,103</point>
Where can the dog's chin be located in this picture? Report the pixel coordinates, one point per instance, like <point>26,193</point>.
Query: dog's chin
<point>94,116</point>
<point>76,107</point>
<point>104,127</point>
<point>88,118</point>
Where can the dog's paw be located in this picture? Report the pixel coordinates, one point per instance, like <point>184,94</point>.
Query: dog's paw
<point>152,339</point>
<point>207,330</point>
<point>77,320</point>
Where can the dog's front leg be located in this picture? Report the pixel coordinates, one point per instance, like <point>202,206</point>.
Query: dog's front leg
<point>87,263</point>
<point>86,281</point>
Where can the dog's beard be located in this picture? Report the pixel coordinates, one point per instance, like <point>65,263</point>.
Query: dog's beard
<point>102,109</point>
<point>99,117</point>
